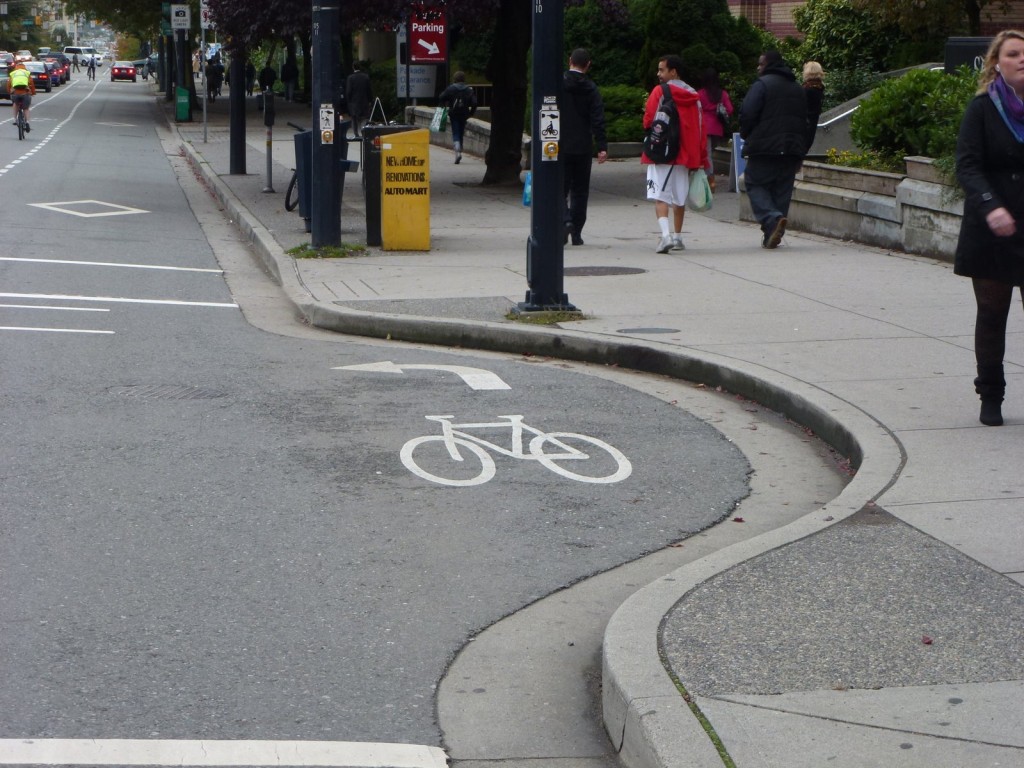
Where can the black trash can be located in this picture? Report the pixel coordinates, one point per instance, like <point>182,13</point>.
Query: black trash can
<point>966,50</point>
<point>304,173</point>
<point>371,176</point>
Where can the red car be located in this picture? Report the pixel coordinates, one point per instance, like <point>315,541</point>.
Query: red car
<point>123,70</point>
<point>60,66</point>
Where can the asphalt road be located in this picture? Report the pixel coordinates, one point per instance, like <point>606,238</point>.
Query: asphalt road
<point>209,528</point>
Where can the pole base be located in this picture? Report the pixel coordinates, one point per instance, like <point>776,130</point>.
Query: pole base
<point>535,303</point>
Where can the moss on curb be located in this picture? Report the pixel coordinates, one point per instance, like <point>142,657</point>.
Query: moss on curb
<point>343,251</point>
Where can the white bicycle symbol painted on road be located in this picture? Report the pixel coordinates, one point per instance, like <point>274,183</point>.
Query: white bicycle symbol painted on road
<point>553,450</point>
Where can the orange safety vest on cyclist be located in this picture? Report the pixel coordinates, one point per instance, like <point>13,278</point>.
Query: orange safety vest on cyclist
<point>20,78</point>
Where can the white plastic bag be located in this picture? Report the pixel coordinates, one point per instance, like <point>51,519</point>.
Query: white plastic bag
<point>699,197</point>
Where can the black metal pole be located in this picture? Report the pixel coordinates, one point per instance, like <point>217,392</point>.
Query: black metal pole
<point>325,210</point>
<point>236,116</point>
<point>544,250</point>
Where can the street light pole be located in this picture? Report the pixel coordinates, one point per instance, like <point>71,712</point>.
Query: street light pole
<point>325,202</point>
<point>544,250</point>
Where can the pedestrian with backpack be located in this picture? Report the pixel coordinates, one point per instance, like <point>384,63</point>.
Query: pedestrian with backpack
<point>675,143</point>
<point>460,99</point>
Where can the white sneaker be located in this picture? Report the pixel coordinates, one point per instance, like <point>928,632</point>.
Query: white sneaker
<point>677,242</point>
<point>665,245</point>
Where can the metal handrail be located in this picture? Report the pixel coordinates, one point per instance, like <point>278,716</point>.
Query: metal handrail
<point>827,123</point>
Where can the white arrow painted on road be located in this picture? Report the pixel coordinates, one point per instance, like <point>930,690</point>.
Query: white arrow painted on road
<point>432,48</point>
<point>476,378</point>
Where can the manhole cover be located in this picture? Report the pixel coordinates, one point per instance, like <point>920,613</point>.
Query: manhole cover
<point>602,271</point>
<point>165,392</point>
<point>648,330</point>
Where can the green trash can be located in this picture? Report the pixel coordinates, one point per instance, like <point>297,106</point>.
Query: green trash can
<point>182,104</point>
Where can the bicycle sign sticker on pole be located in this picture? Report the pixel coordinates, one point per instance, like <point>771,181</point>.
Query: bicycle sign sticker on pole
<point>456,457</point>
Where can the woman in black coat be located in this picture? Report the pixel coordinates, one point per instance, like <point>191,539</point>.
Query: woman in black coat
<point>990,168</point>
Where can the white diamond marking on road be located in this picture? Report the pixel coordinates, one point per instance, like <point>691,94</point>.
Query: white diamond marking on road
<point>112,209</point>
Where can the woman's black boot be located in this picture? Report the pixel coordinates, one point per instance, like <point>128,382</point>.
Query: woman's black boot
<point>991,413</point>
<point>991,386</point>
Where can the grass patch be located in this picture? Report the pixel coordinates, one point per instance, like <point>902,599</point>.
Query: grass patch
<point>544,318</point>
<point>343,251</point>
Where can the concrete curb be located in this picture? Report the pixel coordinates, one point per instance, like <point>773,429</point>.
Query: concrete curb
<point>645,714</point>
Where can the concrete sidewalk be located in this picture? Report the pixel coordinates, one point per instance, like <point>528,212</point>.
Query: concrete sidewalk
<point>884,629</point>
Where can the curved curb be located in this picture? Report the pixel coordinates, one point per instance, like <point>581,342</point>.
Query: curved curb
<point>644,713</point>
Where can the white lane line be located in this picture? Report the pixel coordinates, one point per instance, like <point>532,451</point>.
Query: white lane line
<point>53,132</point>
<point>49,330</point>
<point>339,754</point>
<point>117,300</point>
<point>60,309</point>
<point>112,264</point>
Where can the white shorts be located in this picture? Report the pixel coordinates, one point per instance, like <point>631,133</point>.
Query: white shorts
<point>668,188</point>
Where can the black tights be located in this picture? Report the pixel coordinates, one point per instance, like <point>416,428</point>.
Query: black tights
<point>993,300</point>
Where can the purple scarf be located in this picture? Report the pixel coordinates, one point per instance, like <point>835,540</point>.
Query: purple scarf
<point>1010,106</point>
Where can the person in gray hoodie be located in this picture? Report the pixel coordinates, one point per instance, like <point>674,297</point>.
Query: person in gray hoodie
<point>582,127</point>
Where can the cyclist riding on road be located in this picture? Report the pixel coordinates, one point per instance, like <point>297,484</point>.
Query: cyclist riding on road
<point>23,87</point>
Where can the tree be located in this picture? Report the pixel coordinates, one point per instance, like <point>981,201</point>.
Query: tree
<point>929,19</point>
<point>140,18</point>
<point>842,37</point>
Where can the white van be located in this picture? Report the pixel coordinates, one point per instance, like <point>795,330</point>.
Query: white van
<point>84,53</point>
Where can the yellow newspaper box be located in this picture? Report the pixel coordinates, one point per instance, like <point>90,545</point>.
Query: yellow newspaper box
<point>405,191</point>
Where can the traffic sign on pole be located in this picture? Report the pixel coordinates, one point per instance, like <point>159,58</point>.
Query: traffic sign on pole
<point>205,19</point>
<point>428,37</point>
<point>181,17</point>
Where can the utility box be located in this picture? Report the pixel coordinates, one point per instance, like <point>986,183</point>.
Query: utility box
<point>182,105</point>
<point>304,173</point>
<point>374,139</point>
<point>304,168</point>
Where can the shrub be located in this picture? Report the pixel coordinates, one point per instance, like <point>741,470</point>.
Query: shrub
<point>917,114</point>
<point>869,160</point>
<point>623,112</point>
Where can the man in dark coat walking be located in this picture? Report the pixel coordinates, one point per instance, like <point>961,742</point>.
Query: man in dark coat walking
<point>773,125</point>
<point>358,95</point>
<point>582,127</point>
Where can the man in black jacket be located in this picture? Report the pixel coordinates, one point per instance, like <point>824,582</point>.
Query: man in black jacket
<point>582,125</point>
<point>773,125</point>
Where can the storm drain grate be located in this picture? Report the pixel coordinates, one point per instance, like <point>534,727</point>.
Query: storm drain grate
<point>165,392</point>
<point>602,271</point>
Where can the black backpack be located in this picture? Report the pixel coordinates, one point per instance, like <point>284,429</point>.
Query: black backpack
<point>461,102</point>
<point>661,143</point>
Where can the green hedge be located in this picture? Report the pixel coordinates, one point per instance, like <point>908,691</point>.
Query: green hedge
<point>917,114</point>
<point>623,112</point>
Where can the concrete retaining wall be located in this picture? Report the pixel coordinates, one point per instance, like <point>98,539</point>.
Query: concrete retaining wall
<point>915,213</point>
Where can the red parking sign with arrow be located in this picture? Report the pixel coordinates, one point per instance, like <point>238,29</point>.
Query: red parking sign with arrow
<point>428,38</point>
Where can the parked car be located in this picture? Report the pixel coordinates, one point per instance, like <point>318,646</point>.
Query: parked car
<point>123,70</point>
<point>62,63</point>
<point>5,84</point>
<point>147,66</point>
<point>40,72</point>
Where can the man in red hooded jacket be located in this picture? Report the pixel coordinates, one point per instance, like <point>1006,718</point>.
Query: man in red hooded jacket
<point>667,185</point>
